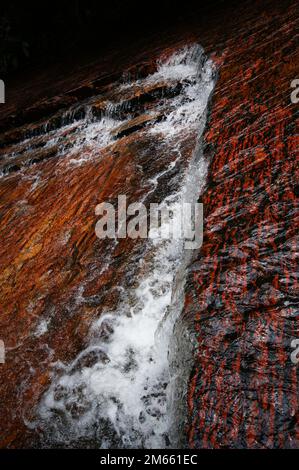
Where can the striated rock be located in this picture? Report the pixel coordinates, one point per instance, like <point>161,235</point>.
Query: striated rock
<point>58,280</point>
<point>242,292</point>
<point>60,284</point>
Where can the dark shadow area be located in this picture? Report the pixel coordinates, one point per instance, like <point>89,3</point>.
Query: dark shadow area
<point>42,33</point>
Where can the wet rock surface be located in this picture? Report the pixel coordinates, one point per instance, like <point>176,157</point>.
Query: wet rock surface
<point>69,299</point>
<point>242,292</point>
<point>57,278</point>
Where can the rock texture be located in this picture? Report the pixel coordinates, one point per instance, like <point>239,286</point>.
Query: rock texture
<point>59,159</point>
<point>242,294</point>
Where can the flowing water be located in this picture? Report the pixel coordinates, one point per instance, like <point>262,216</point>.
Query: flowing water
<point>122,398</point>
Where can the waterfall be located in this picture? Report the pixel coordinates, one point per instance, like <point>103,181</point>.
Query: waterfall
<point>118,392</point>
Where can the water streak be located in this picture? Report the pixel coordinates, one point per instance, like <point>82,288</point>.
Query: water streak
<point>116,392</point>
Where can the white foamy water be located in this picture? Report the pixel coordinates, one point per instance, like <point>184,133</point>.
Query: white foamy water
<point>116,392</point>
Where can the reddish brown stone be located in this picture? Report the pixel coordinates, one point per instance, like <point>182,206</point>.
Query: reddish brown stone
<point>242,290</point>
